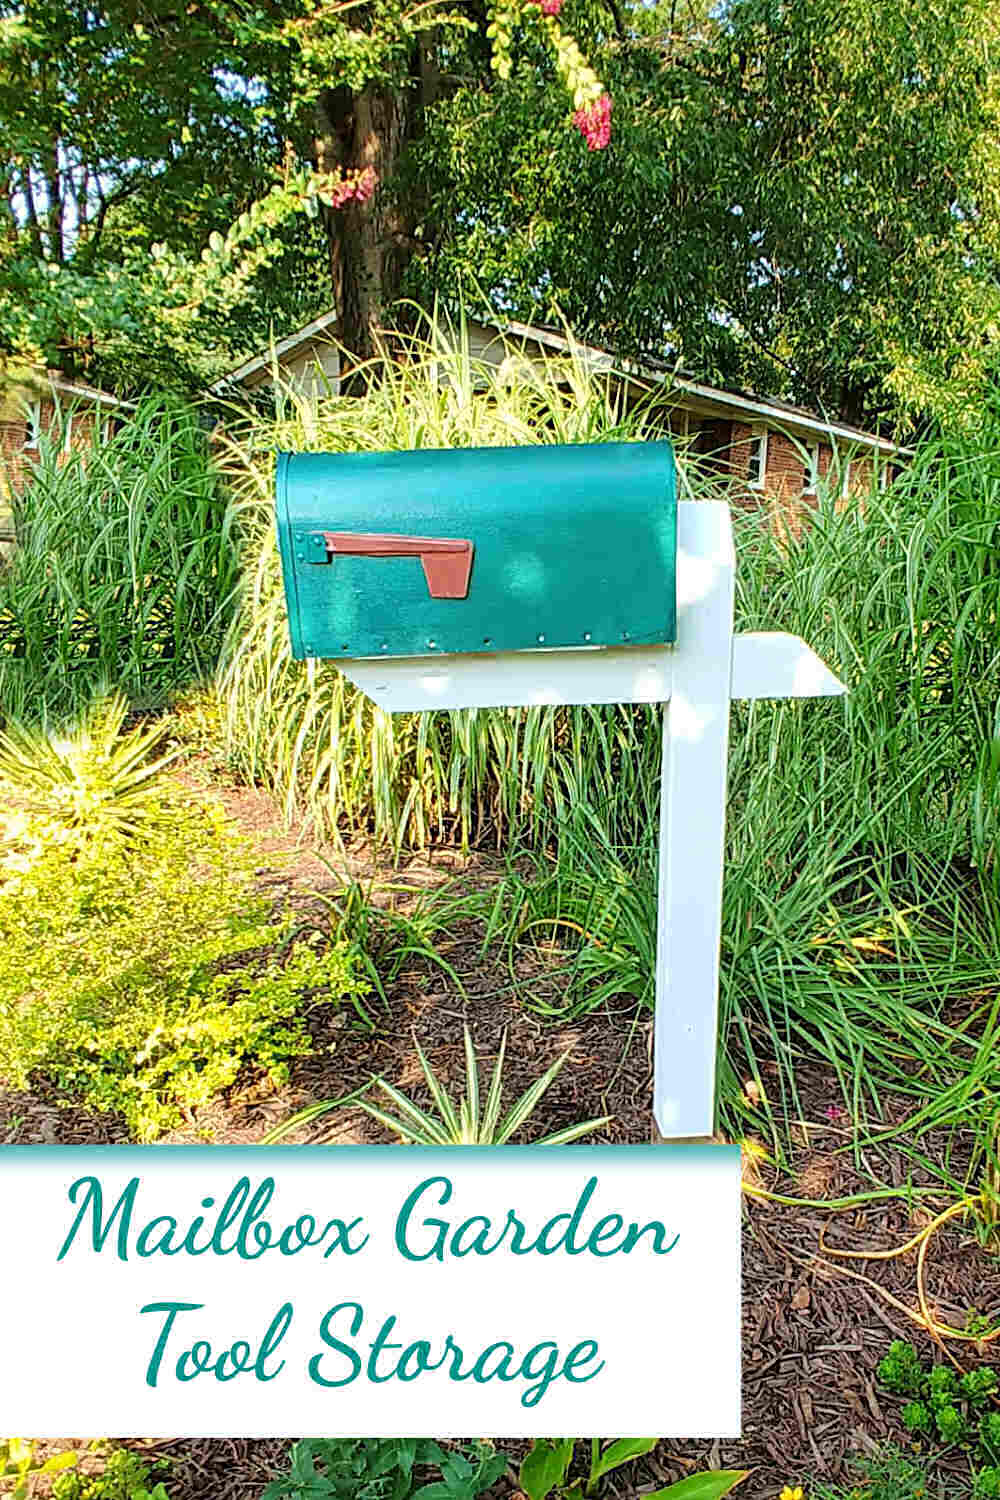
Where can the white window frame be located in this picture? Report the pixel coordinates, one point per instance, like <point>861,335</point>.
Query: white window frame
<point>810,479</point>
<point>33,426</point>
<point>758,445</point>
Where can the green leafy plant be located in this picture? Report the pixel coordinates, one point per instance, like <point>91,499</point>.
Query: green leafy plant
<point>386,1469</point>
<point>142,978</point>
<point>462,1125</point>
<point>92,782</point>
<point>125,1476</point>
<point>20,1465</point>
<point>952,1409</point>
<point>892,1474</point>
<point>901,1371</point>
<point>545,1471</point>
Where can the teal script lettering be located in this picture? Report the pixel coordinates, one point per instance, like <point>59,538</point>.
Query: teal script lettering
<point>200,1358</point>
<point>430,1238</point>
<point>237,1227</point>
<point>538,1367</point>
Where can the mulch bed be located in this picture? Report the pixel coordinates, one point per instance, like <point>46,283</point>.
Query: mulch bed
<point>813,1335</point>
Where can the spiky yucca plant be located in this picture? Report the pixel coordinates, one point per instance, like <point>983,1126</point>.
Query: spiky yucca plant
<point>464,1124</point>
<point>94,780</point>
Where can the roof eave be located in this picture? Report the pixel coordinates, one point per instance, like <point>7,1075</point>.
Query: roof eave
<point>779,416</point>
<point>288,345</point>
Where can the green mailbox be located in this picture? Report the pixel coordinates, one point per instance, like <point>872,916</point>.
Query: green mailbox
<point>462,550</point>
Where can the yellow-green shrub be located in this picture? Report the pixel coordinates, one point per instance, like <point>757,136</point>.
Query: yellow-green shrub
<point>140,978</point>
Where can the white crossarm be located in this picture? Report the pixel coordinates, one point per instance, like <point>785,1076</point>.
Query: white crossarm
<point>770,664</point>
<point>765,664</point>
<point>514,679</point>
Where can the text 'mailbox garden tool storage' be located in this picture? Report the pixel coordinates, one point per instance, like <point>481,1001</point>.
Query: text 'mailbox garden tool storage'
<point>554,574</point>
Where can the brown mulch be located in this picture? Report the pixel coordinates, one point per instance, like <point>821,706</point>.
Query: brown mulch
<point>813,1334</point>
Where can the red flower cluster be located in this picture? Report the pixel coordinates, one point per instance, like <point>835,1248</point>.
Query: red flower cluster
<point>594,123</point>
<point>356,186</point>
<point>551,7</point>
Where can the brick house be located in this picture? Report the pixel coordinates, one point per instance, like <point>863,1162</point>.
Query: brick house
<point>764,451</point>
<point>39,406</point>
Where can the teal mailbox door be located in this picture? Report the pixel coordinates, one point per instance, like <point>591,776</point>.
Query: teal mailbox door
<point>478,550</point>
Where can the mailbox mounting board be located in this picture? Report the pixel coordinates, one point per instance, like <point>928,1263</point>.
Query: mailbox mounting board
<point>471,550</point>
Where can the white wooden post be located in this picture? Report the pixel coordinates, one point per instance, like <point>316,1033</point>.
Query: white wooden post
<point>693,824</point>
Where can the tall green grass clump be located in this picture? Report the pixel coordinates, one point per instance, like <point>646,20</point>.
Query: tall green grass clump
<point>324,749</point>
<point>861,913</point>
<point>124,571</point>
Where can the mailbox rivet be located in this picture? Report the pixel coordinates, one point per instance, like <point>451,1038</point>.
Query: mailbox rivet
<point>541,638</point>
<point>626,636</point>
<point>487,640</point>
<point>432,644</point>
<point>385,645</point>
<point>586,635</point>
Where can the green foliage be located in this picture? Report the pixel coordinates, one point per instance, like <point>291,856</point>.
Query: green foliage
<point>917,1418</point>
<point>386,1469</point>
<point>125,1476</point>
<point>951,1409</point>
<point>141,978</point>
<point>20,1465</point>
<point>978,1387</point>
<point>941,1387</point>
<point>92,784</point>
<point>901,1371</point>
<point>989,1423</point>
<point>124,136</point>
<point>951,1424</point>
<point>125,569</point>
<point>892,1474</point>
<point>169,308</point>
<point>545,1471</point>
<point>465,1125</point>
<point>712,1484</point>
<point>818,173</point>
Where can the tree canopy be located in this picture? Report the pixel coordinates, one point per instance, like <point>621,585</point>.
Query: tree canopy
<point>798,195</point>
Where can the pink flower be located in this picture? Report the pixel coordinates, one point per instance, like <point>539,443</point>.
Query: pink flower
<point>833,1112</point>
<point>551,7</point>
<point>594,123</point>
<point>365,184</point>
<point>356,186</point>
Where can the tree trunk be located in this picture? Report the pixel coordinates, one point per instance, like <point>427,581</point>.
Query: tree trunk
<point>371,243</point>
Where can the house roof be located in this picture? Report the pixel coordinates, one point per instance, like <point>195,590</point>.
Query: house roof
<point>80,392</point>
<point>26,384</point>
<point>764,408</point>
<point>285,348</point>
<point>747,403</point>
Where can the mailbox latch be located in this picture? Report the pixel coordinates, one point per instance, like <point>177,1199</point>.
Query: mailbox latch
<point>446,561</point>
